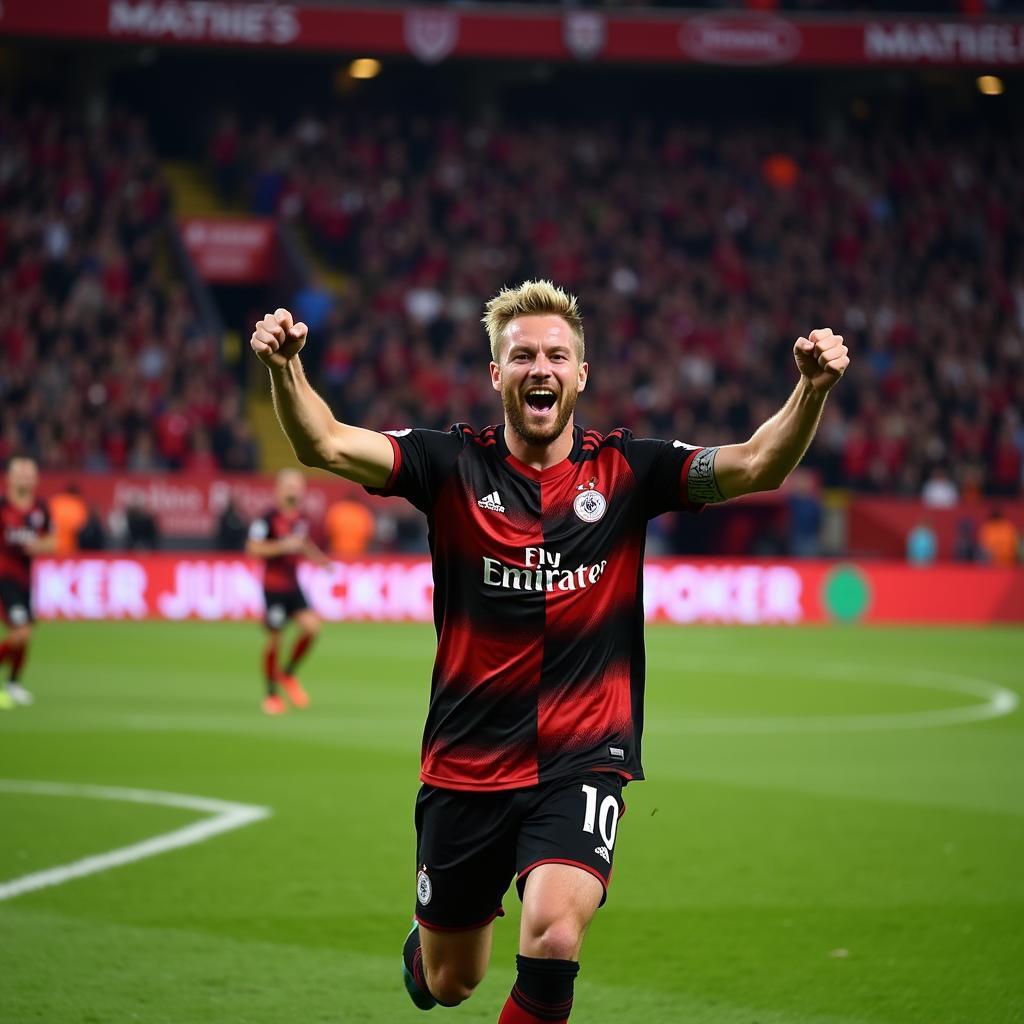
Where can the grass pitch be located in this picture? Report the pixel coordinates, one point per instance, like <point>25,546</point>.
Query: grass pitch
<point>832,833</point>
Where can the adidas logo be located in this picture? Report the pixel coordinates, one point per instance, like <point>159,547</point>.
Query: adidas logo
<point>602,851</point>
<point>492,502</point>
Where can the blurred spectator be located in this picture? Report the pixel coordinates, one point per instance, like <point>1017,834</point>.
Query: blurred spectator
<point>805,516</point>
<point>965,544</point>
<point>313,303</point>
<point>350,528</point>
<point>92,536</point>
<point>142,529</point>
<point>998,540</point>
<point>224,157</point>
<point>69,514</point>
<point>232,528</point>
<point>199,458</point>
<point>939,491</point>
<point>922,544</point>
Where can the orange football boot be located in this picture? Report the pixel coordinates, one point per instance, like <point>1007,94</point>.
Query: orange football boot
<point>293,688</point>
<point>273,705</point>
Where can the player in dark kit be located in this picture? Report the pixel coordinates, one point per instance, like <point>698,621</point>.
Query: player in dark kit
<point>537,532</point>
<point>281,538</point>
<point>25,526</point>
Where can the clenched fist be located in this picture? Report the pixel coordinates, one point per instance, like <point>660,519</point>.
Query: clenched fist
<point>821,358</point>
<point>277,339</point>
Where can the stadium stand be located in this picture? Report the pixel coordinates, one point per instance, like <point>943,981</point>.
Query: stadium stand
<point>97,325</point>
<point>702,252</point>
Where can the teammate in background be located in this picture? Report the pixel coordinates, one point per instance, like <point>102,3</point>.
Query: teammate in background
<point>25,525</point>
<point>537,534</point>
<point>281,538</point>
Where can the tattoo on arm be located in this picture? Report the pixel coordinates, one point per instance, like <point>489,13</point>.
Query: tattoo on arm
<point>701,485</point>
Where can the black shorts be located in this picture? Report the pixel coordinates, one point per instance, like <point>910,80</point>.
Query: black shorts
<point>470,845</point>
<point>281,605</point>
<point>16,601</point>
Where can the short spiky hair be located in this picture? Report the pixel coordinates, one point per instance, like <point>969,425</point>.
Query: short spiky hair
<point>531,298</point>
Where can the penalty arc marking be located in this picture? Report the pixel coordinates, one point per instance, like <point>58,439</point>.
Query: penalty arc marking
<point>224,816</point>
<point>993,701</point>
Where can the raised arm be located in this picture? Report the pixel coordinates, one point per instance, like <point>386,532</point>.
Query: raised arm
<point>318,439</point>
<point>293,544</point>
<point>39,546</point>
<point>778,445</point>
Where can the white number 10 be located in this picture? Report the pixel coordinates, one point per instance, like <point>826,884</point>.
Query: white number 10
<point>608,819</point>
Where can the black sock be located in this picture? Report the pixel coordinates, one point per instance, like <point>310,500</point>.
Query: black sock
<point>413,957</point>
<point>544,988</point>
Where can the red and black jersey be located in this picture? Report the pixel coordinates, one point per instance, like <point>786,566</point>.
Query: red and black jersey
<point>19,525</point>
<point>280,573</point>
<point>537,604</point>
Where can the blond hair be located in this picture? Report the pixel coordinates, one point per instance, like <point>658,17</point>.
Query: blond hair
<point>531,298</point>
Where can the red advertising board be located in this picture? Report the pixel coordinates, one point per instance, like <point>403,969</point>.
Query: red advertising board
<point>400,589</point>
<point>432,34</point>
<point>231,250</point>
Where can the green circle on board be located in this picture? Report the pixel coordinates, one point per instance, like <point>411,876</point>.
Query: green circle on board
<point>846,593</point>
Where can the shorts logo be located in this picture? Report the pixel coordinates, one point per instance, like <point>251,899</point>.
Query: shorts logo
<point>602,851</point>
<point>424,890</point>
<point>276,616</point>
<point>18,615</point>
<point>617,753</point>
<point>590,505</point>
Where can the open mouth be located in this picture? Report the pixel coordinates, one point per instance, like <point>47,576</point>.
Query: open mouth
<point>540,399</point>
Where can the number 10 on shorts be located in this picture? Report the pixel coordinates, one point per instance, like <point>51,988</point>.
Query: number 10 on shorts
<point>607,820</point>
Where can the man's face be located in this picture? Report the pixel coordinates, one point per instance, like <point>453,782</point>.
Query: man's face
<point>539,376</point>
<point>291,489</point>
<point>22,478</point>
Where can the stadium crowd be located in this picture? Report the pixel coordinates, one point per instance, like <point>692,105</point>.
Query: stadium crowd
<point>105,364</point>
<point>701,255</point>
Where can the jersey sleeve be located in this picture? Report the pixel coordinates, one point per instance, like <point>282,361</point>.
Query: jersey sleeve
<point>423,461</point>
<point>661,469</point>
<point>259,529</point>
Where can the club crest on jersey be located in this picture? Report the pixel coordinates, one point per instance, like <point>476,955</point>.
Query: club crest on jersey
<point>590,504</point>
<point>424,890</point>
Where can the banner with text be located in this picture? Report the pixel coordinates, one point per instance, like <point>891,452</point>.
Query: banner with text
<point>189,504</point>
<point>230,250</point>
<point>401,590</point>
<point>433,33</point>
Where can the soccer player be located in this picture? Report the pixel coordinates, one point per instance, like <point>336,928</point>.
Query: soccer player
<point>26,532</point>
<point>281,538</point>
<point>537,531</point>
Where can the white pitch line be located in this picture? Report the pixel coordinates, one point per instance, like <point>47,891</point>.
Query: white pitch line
<point>997,701</point>
<point>226,816</point>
